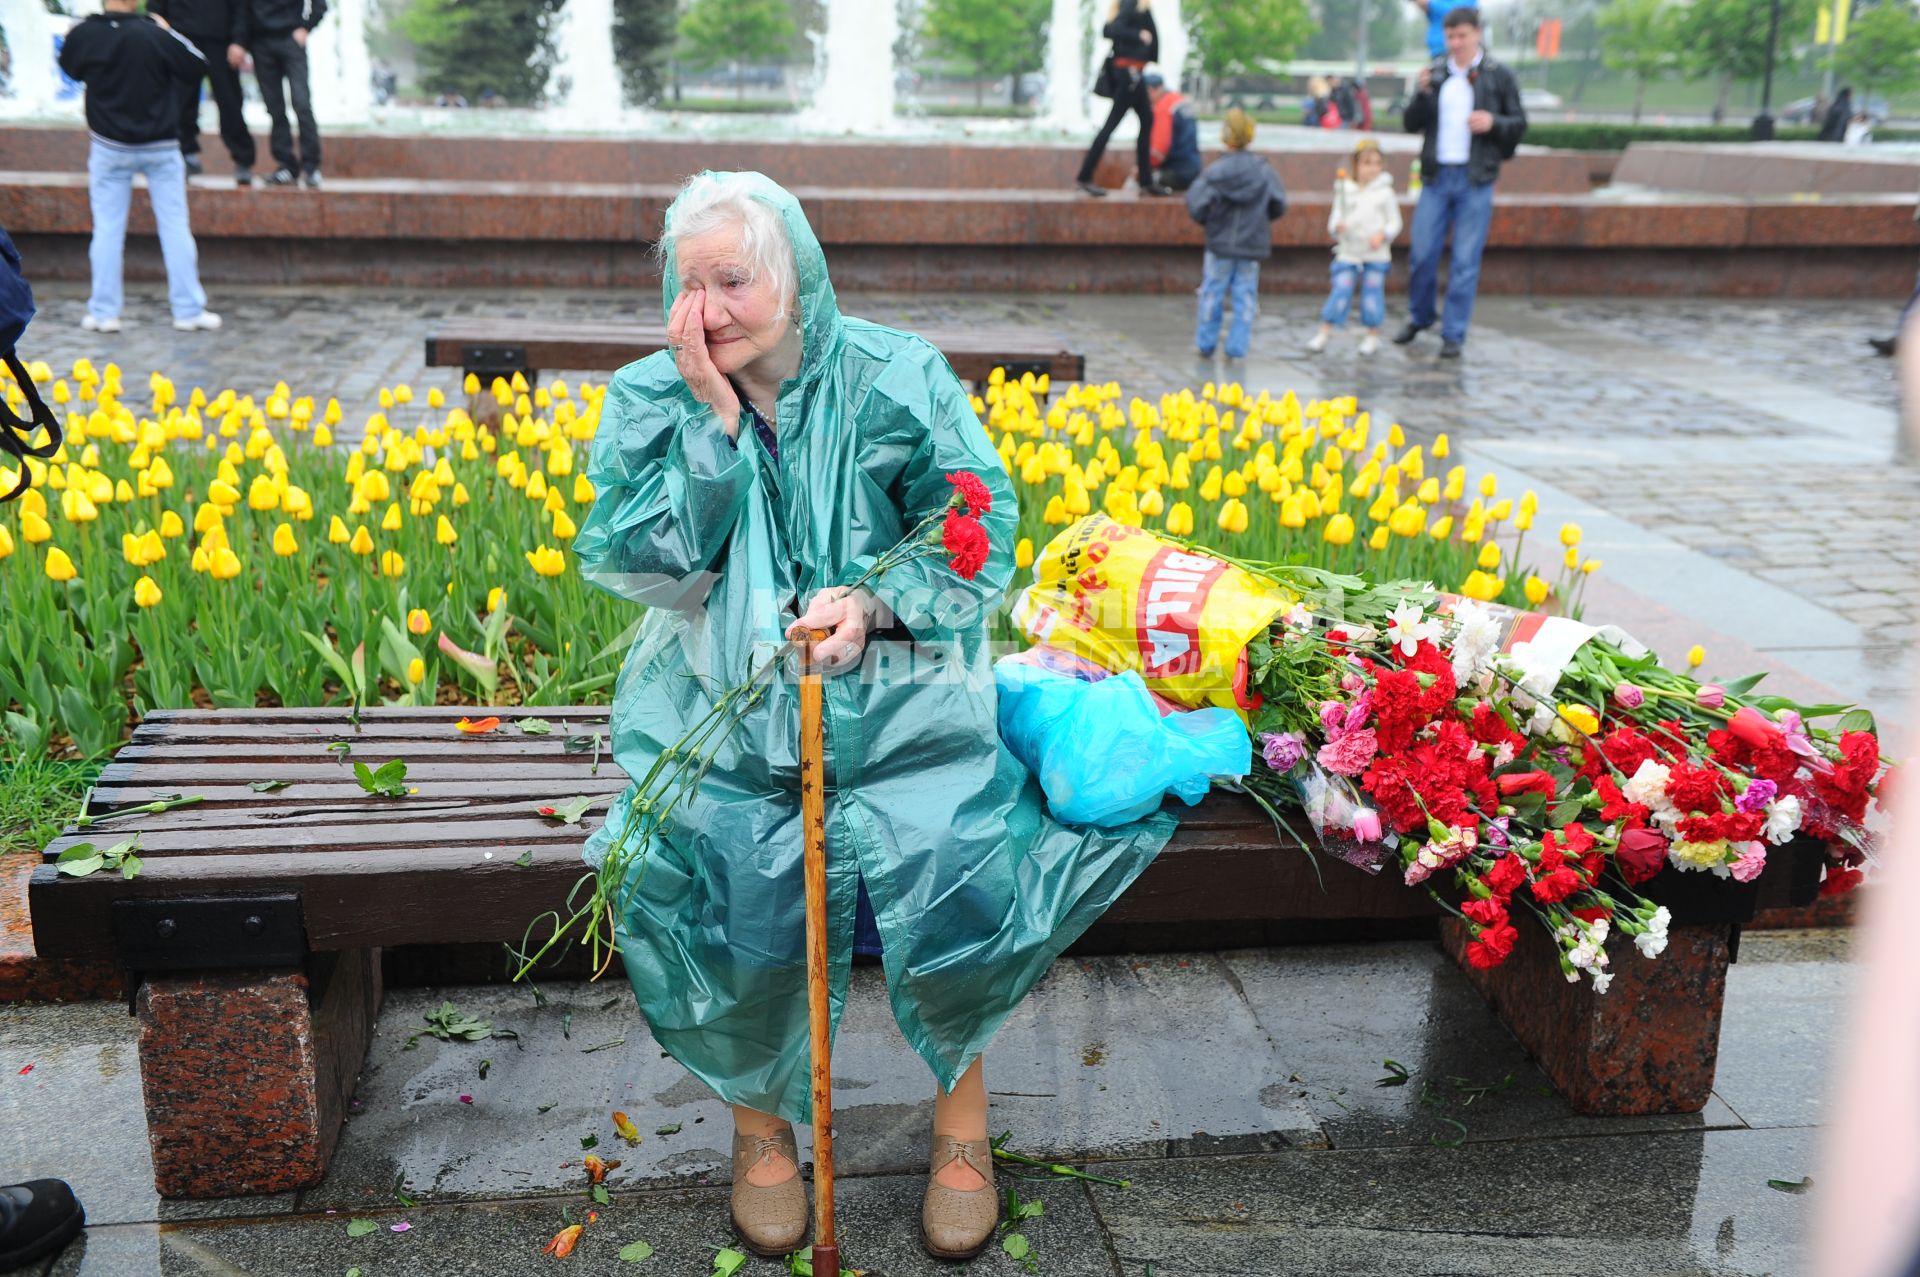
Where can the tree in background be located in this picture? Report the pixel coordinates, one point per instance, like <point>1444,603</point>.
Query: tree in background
<point>643,38</point>
<point>714,32</point>
<point>1339,29</point>
<point>1882,50</point>
<point>468,46</point>
<point>1728,39</point>
<point>1640,38</point>
<point>1233,37</point>
<point>994,37</point>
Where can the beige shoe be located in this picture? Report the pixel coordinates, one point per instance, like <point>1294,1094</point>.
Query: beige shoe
<point>953,1224</point>
<point>772,1221</point>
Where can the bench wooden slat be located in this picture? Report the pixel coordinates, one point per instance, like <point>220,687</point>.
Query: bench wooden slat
<point>116,796</point>
<point>504,753</point>
<point>296,839</point>
<point>348,808</point>
<point>433,894</point>
<point>601,345</point>
<point>372,714</point>
<point>371,733</point>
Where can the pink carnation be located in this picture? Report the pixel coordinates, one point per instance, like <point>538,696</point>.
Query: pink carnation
<point>1753,858</point>
<point>1350,754</point>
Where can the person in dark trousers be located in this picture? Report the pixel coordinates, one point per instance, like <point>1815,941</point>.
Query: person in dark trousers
<point>1237,200</point>
<point>1468,106</point>
<point>132,66</point>
<point>1175,148</point>
<point>1136,42</point>
<point>277,38</point>
<point>1834,127</point>
<point>218,28</point>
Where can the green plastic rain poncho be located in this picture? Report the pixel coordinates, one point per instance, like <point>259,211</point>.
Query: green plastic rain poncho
<point>974,888</point>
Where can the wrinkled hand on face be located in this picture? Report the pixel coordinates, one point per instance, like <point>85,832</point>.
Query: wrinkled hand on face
<point>686,330</point>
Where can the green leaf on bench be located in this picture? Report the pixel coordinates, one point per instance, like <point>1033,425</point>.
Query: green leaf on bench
<point>535,727</point>
<point>267,786</point>
<point>570,811</point>
<point>524,860</point>
<point>80,860</point>
<point>600,1195</point>
<point>388,782</point>
<point>671,1128</point>
<point>361,1227</point>
<point>450,1024</point>
<point>634,1252</point>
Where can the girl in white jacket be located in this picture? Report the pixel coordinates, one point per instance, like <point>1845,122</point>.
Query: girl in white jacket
<point>1363,222</point>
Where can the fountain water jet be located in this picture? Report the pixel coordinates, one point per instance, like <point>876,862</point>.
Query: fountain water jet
<point>593,95</point>
<point>854,89</point>
<point>340,70</point>
<point>36,85</point>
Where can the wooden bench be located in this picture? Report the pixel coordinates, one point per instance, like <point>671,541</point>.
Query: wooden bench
<point>491,348</point>
<point>252,936</point>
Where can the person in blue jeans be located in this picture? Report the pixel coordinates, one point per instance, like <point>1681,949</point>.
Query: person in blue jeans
<point>1236,198</point>
<point>133,65</point>
<point>1363,221</point>
<point>1468,107</point>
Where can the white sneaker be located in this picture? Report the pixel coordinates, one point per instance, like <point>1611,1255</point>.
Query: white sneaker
<point>109,325</point>
<point>1317,343</point>
<point>205,321</point>
<point>1369,344</point>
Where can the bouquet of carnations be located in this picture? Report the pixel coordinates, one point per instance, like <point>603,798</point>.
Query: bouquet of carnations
<point>1546,767</point>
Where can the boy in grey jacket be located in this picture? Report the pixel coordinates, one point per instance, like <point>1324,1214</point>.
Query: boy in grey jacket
<point>1237,199</point>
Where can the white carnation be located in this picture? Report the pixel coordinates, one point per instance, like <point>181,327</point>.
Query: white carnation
<point>1783,818</point>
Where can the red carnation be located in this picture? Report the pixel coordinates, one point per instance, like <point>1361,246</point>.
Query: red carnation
<point>1694,788</point>
<point>1839,882</point>
<point>1593,913</point>
<point>1492,946</point>
<point>966,541</point>
<point>1488,913</point>
<point>1614,805</point>
<point>1507,874</point>
<point>970,489</point>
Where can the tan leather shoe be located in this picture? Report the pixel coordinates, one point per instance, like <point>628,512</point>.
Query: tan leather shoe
<point>772,1221</point>
<point>953,1224</point>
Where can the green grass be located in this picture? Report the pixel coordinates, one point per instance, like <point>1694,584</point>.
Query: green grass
<point>38,796</point>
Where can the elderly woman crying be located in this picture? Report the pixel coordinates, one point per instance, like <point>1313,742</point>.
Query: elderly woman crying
<point>745,477</point>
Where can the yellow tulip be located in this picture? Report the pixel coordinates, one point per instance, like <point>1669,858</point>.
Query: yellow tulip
<point>418,621</point>
<point>1696,657</point>
<point>220,492</point>
<point>537,487</point>
<point>391,563</point>
<point>225,564</point>
<point>1233,515</point>
<point>1339,530</point>
<point>1442,528</point>
<point>547,561</point>
<point>471,385</point>
<point>145,592</point>
<point>1572,559</point>
<point>1428,492</point>
<point>1569,534</point>
<point>1440,447</point>
<point>122,491</point>
<point>33,528</point>
<point>1233,485</point>
<point>1500,510</point>
<point>171,525</point>
<point>563,527</point>
<point>1378,540</point>
<point>1488,486</point>
<point>362,542</point>
<point>1479,585</point>
<point>1075,497</point>
<point>1590,566</point>
<point>1396,437</point>
<point>582,490</point>
<point>1489,557</point>
<point>460,496</point>
<point>1537,590</point>
<point>443,533</point>
<point>390,521</point>
<point>495,597</point>
<point>373,487</point>
<point>1152,503</point>
<point>1522,520</point>
<point>284,543</point>
<point>1056,511</point>
<point>1023,553</point>
<point>1180,519</point>
<point>6,541</point>
<point>59,567</point>
<point>1408,520</point>
<point>322,437</point>
<point>1292,513</point>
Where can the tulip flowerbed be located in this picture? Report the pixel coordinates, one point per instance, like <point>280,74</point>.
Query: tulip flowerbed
<point>226,549</point>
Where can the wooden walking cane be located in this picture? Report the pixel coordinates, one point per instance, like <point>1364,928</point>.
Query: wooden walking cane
<point>813,810</point>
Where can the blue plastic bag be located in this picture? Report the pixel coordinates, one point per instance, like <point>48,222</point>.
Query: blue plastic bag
<point>1102,750</point>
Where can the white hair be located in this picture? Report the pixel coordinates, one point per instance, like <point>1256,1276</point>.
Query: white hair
<point>713,202</point>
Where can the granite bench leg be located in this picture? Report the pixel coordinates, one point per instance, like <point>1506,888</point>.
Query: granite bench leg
<point>248,1074</point>
<point>1647,1045</point>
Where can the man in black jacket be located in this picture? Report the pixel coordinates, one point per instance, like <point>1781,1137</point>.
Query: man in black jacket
<point>1468,106</point>
<point>277,37</point>
<point>132,65</point>
<point>218,28</point>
